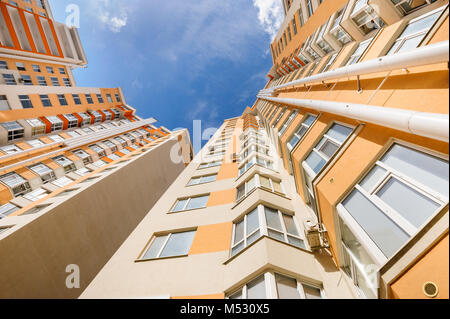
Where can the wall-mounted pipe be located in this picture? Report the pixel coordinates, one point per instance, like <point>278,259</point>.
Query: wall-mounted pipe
<point>430,54</point>
<point>432,125</point>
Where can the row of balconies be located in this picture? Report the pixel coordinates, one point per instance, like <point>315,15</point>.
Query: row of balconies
<point>51,174</point>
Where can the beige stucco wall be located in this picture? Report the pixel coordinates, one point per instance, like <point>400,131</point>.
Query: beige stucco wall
<point>86,229</point>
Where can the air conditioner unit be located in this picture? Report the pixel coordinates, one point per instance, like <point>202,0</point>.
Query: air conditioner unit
<point>313,233</point>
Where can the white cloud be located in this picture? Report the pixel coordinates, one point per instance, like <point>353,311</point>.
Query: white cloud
<point>270,15</point>
<point>207,112</point>
<point>112,14</point>
<point>204,29</point>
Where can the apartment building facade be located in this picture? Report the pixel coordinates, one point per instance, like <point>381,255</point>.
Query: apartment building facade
<point>334,184</point>
<point>79,169</point>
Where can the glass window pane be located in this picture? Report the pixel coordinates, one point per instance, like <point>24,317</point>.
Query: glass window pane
<point>293,142</point>
<point>355,255</point>
<point>277,187</point>
<point>309,120</point>
<point>420,25</point>
<point>329,148</point>
<point>237,295</point>
<point>155,247</point>
<point>276,235</point>
<point>252,221</point>
<point>364,283</point>
<point>253,238</point>
<point>296,242</point>
<point>251,184</point>
<point>315,162</point>
<point>238,232</point>
<point>197,202</point>
<point>208,179</point>
<point>424,168</point>
<point>287,287</point>
<point>340,132</point>
<point>290,225</point>
<point>411,43</point>
<point>241,192</point>
<point>312,292</point>
<point>178,244</point>
<point>273,219</point>
<point>395,47</point>
<point>382,230</point>
<point>414,206</point>
<point>193,181</point>
<point>265,182</point>
<point>373,178</point>
<point>257,289</point>
<point>237,249</point>
<point>180,205</point>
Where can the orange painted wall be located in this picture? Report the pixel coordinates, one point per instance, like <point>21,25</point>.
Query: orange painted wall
<point>43,66</point>
<point>222,198</point>
<point>24,4</point>
<point>39,110</point>
<point>212,238</point>
<point>433,267</point>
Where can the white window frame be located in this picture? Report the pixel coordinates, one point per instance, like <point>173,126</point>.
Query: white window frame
<point>200,180</point>
<point>368,13</point>
<point>16,183</point>
<point>270,285</point>
<point>371,248</point>
<point>337,31</point>
<point>37,127</point>
<point>14,129</point>
<point>252,161</point>
<point>158,256</point>
<point>62,182</point>
<point>211,164</point>
<point>288,122</point>
<point>256,180</point>
<point>36,195</point>
<point>188,201</point>
<point>44,172</point>
<point>65,163</point>
<point>97,149</point>
<point>83,155</point>
<point>264,230</point>
<point>423,33</point>
<point>309,174</point>
<point>56,123</point>
<point>10,149</point>
<point>7,210</point>
<point>404,12</point>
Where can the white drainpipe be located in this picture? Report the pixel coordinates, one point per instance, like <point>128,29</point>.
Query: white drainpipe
<point>432,125</point>
<point>430,54</point>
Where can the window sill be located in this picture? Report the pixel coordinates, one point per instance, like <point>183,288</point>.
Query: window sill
<point>254,190</point>
<point>162,258</point>
<point>252,167</point>
<point>186,211</point>
<point>200,184</point>
<point>230,259</point>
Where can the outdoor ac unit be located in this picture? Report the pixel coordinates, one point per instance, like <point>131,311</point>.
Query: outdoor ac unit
<point>313,232</point>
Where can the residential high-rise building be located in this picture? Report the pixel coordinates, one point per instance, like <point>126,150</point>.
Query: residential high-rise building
<point>79,169</point>
<point>333,185</point>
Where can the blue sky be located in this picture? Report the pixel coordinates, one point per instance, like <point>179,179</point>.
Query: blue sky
<point>177,60</point>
